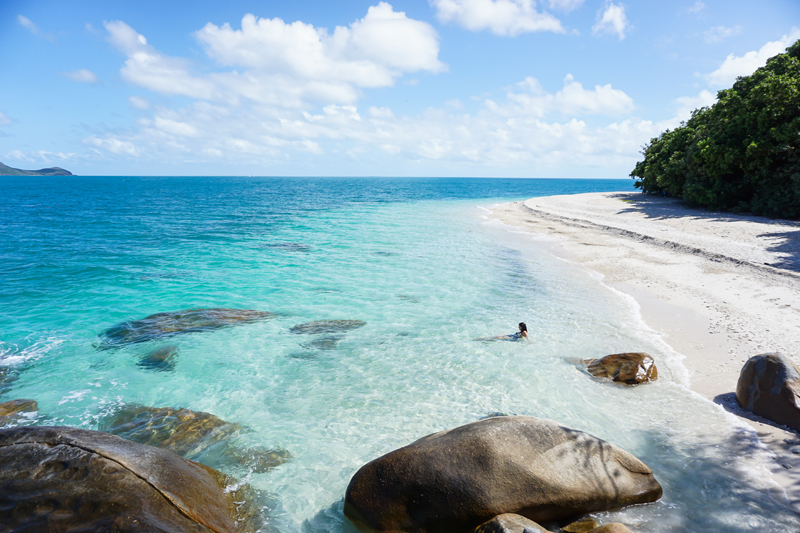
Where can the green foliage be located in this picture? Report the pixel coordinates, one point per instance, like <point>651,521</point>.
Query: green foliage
<point>55,171</point>
<point>742,153</point>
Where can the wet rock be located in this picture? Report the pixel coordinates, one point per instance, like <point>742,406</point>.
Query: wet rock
<point>13,411</point>
<point>510,523</point>
<point>326,326</point>
<point>584,525</point>
<point>628,368</point>
<point>455,480</point>
<point>613,527</point>
<point>66,479</point>
<point>769,386</point>
<point>190,434</point>
<point>160,360</point>
<point>323,343</point>
<point>162,325</point>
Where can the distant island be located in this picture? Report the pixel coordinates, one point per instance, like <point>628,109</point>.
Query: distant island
<point>55,171</point>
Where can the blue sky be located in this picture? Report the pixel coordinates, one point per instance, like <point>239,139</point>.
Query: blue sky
<point>516,88</point>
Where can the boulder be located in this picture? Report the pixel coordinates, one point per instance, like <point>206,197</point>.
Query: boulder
<point>13,410</point>
<point>584,525</point>
<point>189,434</point>
<point>613,527</point>
<point>510,523</point>
<point>326,326</point>
<point>455,480</point>
<point>66,479</point>
<point>769,386</point>
<point>628,368</point>
<point>160,359</point>
<point>162,325</point>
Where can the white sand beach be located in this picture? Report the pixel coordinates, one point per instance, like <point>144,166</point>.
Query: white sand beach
<point>719,287</point>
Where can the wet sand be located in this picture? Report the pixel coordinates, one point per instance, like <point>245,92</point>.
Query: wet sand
<point>718,287</point>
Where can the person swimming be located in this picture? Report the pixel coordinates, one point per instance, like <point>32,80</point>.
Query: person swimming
<point>521,334</point>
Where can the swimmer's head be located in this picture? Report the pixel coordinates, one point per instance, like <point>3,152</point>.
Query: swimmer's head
<point>523,327</point>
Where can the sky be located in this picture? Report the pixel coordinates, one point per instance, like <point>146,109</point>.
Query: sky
<point>483,88</point>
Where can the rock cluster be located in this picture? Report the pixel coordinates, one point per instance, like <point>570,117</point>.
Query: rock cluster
<point>456,480</point>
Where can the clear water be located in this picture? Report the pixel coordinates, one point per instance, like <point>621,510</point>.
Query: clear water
<point>414,258</point>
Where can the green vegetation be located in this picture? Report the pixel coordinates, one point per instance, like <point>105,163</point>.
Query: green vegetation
<point>55,171</point>
<point>743,153</point>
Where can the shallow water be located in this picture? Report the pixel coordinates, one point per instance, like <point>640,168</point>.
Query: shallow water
<point>414,259</point>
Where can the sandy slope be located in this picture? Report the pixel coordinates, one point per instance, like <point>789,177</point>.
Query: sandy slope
<point>720,287</point>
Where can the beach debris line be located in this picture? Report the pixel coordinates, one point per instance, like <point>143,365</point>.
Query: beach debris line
<point>452,481</point>
<point>161,325</point>
<point>628,368</point>
<point>769,386</point>
<point>94,480</point>
<point>191,434</point>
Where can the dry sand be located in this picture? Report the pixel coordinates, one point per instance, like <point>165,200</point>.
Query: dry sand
<point>719,287</point>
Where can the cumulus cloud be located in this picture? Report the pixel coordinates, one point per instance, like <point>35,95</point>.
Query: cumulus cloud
<point>611,20</point>
<point>695,9</point>
<point>686,104</point>
<point>140,103</point>
<point>83,76</point>
<point>717,34</point>
<point>501,17</point>
<point>735,66</point>
<point>113,145</point>
<point>573,99</point>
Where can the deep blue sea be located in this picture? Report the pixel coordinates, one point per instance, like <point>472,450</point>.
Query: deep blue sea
<point>418,261</point>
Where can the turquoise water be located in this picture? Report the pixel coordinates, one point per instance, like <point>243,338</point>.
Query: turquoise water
<point>418,261</point>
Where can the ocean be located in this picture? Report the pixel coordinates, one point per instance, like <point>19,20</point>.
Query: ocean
<point>419,272</point>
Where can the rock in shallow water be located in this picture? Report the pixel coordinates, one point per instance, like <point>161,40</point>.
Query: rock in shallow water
<point>160,360</point>
<point>628,368</point>
<point>453,481</point>
<point>769,386</point>
<point>162,325</point>
<point>510,523</point>
<point>189,434</point>
<point>66,479</point>
<point>326,326</point>
<point>12,411</point>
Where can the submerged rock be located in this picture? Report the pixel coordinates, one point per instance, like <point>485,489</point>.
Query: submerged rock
<point>585,525</point>
<point>7,377</point>
<point>628,368</point>
<point>613,527</point>
<point>190,434</point>
<point>290,246</point>
<point>162,325</point>
<point>12,411</point>
<point>326,326</point>
<point>161,359</point>
<point>66,479</point>
<point>323,343</point>
<point>453,481</point>
<point>769,386</point>
<point>510,523</point>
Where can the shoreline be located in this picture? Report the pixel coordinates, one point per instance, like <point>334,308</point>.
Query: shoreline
<point>718,287</point>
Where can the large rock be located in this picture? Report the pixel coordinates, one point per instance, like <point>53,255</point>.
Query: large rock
<point>190,434</point>
<point>613,527</point>
<point>66,479</point>
<point>769,386</point>
<point>163,325</point>
<point>510,523</point>
<point>628,368</point>
<point>455,480</point>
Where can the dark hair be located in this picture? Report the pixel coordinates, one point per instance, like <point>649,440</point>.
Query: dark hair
<point>523,327</point>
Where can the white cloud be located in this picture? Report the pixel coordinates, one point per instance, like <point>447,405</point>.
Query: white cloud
<point>83,76</point>
<point>717,34</point>
<point>696,8</point>
<point>174,127</point>
<point>571,100</point>
<point>735,66</point>
<point>4,119</point>
<point>565,5</point>
<point>139,103</point>
<point>383,113</point>
<point>501,17</point>
<point>686,104</point>
<point>29,25</point>
<point>611,20</point>
<point>113,145</point>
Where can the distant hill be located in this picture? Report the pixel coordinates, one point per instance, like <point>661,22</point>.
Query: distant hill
<point>55,171</point>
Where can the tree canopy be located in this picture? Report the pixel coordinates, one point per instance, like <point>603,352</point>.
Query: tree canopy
<point>743,153</point>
